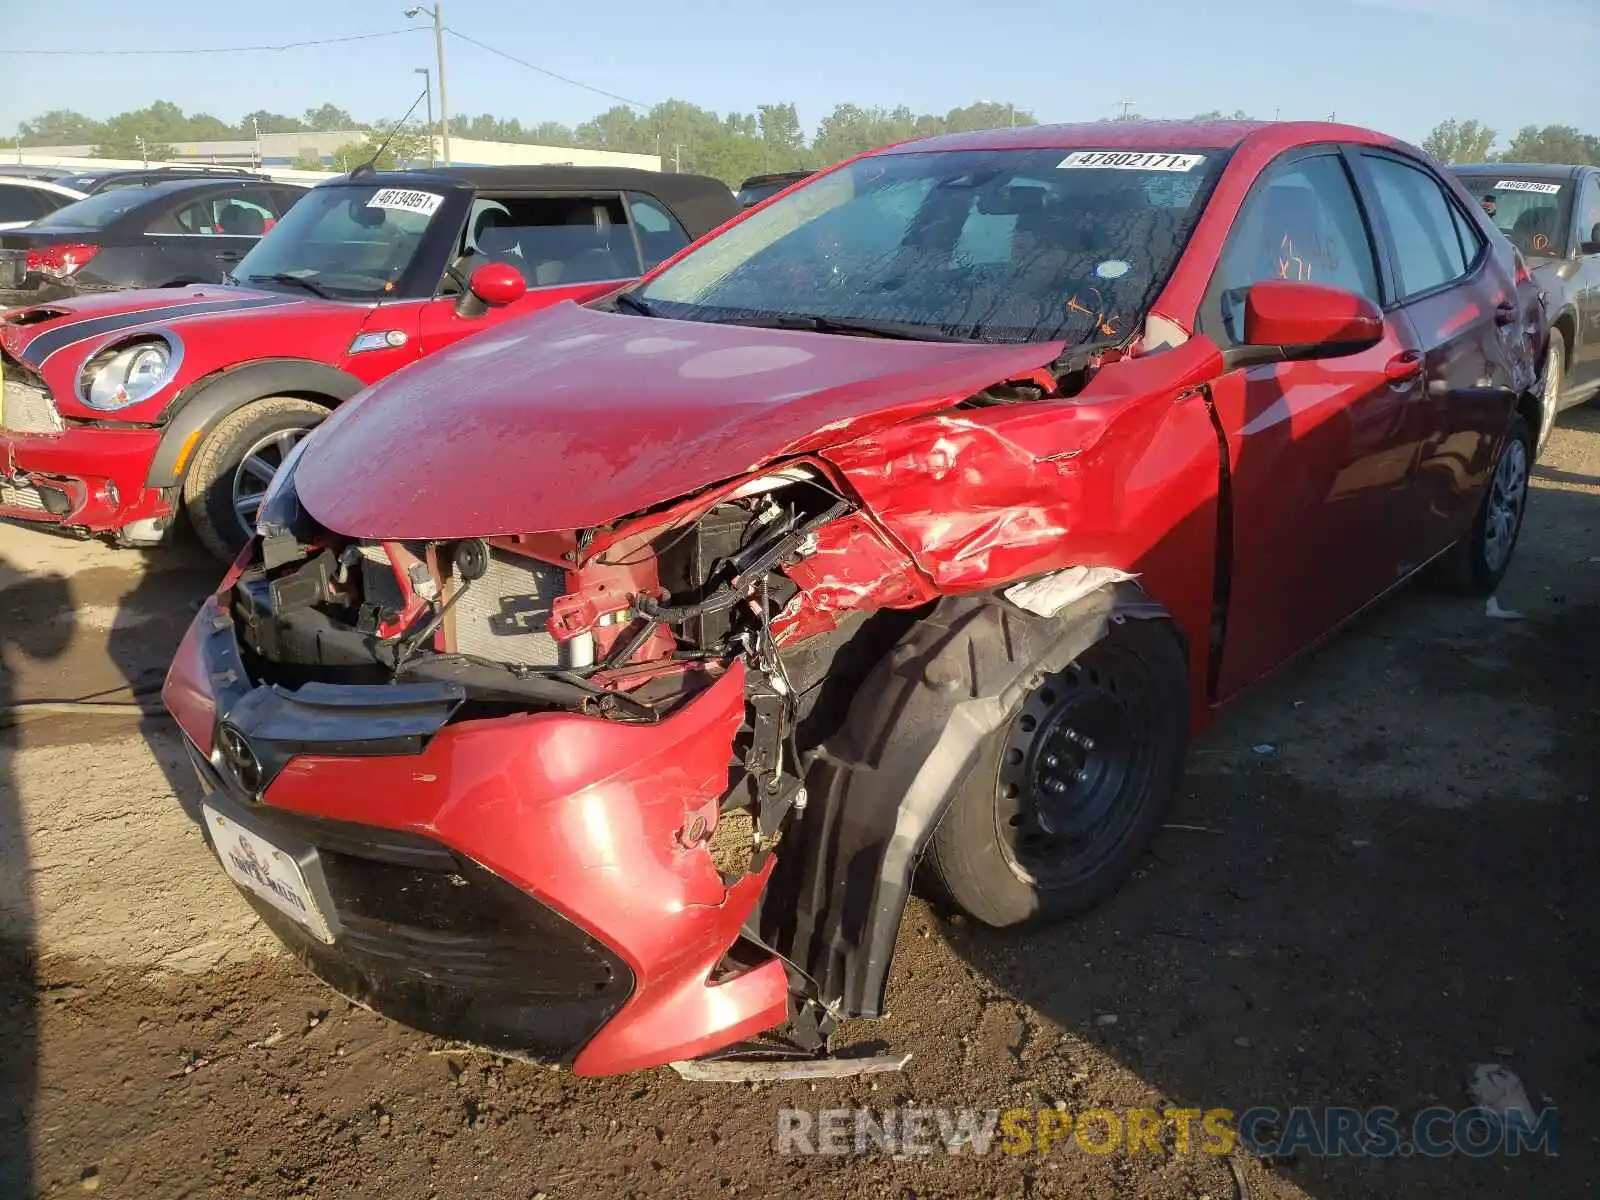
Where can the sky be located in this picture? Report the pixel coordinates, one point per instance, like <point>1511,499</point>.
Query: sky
<point>1400,66</point>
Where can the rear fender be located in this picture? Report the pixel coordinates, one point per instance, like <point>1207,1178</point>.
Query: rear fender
<point>202,405</point>
<point>877,790</point>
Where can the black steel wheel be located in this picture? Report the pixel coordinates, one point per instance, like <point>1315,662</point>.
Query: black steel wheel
<point>1070,793</point>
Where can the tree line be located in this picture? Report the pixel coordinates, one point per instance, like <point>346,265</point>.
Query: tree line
<point>730,146</point>
<point>1473,142</point>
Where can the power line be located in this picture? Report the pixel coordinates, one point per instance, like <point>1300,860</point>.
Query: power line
<point>521,62</point>
<point>355,37</point>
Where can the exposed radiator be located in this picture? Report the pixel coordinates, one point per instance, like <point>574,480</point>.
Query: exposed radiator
<point>27,408</point>
<point>502,617</point>
<point>21,497</point>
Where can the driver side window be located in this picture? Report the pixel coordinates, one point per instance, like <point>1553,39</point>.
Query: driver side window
<point>1300,222</point>
<point>1589,211</point>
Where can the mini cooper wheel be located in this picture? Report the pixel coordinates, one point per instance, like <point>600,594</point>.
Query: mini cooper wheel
<point>1478,562</point>
<point>235,464</point>
<point>1068,795</point>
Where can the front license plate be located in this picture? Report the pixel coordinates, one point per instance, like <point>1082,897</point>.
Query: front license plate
<point>273,874</point>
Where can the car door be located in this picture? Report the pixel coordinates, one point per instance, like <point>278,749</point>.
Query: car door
<point>1584,372</point>
<point>200,237</point>
<point>567,246</point>
<point>1320,453</point>
<point>1460,300</point>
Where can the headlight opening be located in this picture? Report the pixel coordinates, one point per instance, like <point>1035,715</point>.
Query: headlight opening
<point>128,373</point>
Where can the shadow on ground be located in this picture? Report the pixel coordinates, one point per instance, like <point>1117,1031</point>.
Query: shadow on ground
<point>22,641</point>
<point>1361,936</point>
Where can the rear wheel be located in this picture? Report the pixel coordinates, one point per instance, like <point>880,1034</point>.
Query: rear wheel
<point>1067,797</point>
<point>235,464</point>
<point>1478,562</point>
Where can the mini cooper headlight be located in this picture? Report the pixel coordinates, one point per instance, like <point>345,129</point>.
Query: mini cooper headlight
<point>128,373</point>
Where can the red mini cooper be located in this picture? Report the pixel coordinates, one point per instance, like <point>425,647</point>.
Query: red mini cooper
<point>119,410</point>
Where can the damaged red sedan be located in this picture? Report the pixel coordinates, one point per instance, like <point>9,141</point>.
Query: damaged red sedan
<point>594,691</point>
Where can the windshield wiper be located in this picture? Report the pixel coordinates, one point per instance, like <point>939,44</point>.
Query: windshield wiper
<point>633,304</point>
<point>296,280</point>
<point>859,326</point>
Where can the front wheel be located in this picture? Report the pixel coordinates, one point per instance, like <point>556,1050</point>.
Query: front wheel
<point>235,464</point>
<point>1478,562</point>
<point>1066,798</point>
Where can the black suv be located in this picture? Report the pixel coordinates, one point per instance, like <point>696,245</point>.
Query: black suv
<point>159,235</point>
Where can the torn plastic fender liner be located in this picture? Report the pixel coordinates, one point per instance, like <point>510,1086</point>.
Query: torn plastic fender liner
<point>879,788</point>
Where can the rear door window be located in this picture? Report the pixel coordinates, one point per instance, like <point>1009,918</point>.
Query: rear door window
<point>1427,244</point>
<point>21,204</point>
<point>553,241</point>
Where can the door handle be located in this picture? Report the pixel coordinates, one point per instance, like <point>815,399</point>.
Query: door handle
<point>229,256</point>
<point>1505,313</point>
<point>1403,366</point>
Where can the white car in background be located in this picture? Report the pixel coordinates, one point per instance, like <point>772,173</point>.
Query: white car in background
<point>23,201</point>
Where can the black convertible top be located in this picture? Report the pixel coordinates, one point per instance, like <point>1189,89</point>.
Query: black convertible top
<point>699,202</point>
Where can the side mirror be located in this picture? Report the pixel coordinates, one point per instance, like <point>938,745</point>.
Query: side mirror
<point>492,285</point>
<point>1285,321</point>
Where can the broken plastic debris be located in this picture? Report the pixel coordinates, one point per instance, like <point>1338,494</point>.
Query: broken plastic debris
<point>1498,1089</point>
<point>1049,594</point>
<point>734,1071</point>
<point>1493,609</point>
<point>1264,748</point>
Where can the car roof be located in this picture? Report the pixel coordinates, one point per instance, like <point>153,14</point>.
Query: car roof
<point>774,177</point>
<point>698,201</point>
<point>41,185</point>
<point>1525,170</point>
<point>1148,135</point>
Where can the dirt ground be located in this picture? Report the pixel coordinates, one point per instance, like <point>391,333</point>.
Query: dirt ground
<point>1383,871</point>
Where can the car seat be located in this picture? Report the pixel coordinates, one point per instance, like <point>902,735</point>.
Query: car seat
<point>239,220</point>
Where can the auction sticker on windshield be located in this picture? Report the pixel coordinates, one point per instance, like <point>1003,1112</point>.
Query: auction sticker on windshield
<point>1527,185</point>
<point>260,867</point>
<point>426,203</point>
<point>1128,160</point>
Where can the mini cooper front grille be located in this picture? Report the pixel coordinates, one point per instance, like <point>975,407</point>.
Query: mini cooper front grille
<point>25,403</point>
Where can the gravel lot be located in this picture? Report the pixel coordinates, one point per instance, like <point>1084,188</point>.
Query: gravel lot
<point>1403,887</point>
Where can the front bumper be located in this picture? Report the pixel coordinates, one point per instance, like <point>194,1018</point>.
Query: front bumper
<point>560,820</point>
<point>86,478</point>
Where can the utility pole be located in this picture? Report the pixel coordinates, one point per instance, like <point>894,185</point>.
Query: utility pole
<point>438,46</point>
<point>677,158</point>
<point>1127,107</point>
<point>1013,107</point>
<point>144,149</point>
<point>427,89</point>
<point>255,124</point>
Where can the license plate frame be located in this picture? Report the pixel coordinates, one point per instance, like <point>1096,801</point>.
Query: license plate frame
<point>282,871</point>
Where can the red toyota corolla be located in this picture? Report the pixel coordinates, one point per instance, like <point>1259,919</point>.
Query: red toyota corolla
<point>593,691</point>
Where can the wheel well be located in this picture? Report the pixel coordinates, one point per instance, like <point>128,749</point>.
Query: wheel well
<point>1565,327</point>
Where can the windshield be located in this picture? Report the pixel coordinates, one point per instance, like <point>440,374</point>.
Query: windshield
<point>348,241</point>
<point>93,212</point>
<point>993,245</point>
<point>754,193</point>
<point>1530,212</point>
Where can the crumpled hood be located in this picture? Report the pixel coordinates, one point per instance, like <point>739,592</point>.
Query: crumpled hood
<point>573,417</point>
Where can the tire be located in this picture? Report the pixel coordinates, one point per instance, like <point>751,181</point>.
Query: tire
<point>1025,840</point>
<point>1555,371</point>
<point>1477,563</point>
<point>262,431</point>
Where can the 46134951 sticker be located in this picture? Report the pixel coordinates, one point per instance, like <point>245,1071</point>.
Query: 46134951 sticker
<point>1129,160</point>
<point>406,200</point>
